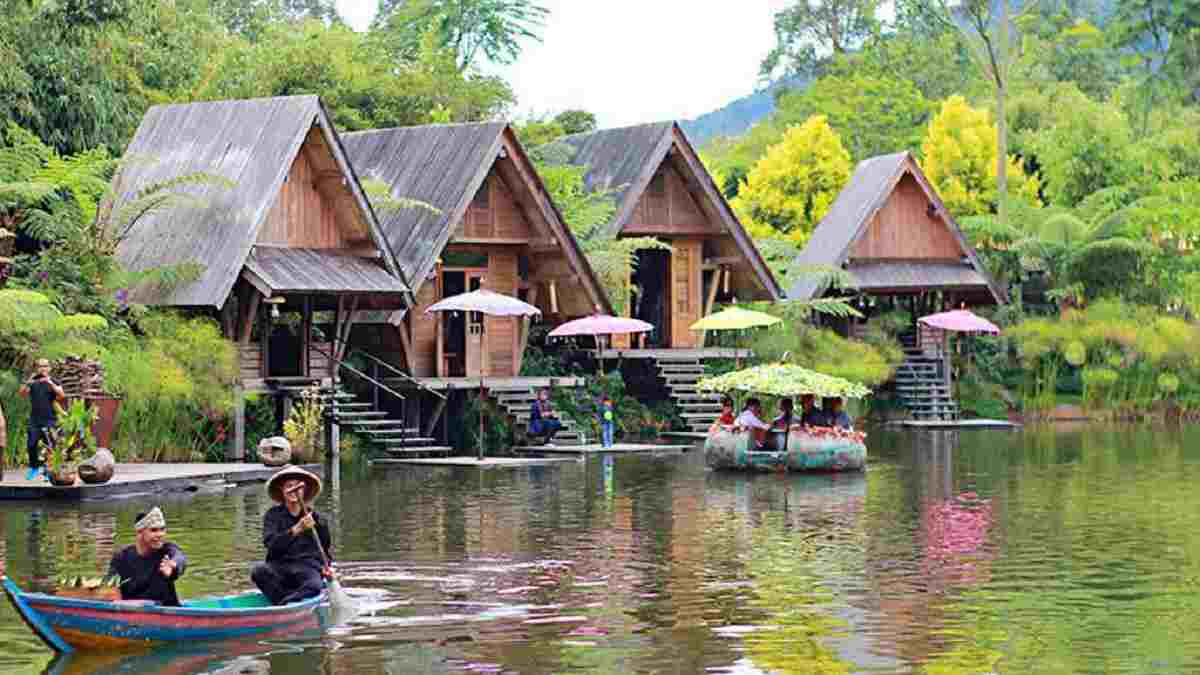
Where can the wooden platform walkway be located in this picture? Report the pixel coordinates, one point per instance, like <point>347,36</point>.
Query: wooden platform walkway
<point>133,479</point>
<point>687,435</point>
<point>597,449</point>
<point>491,383</point>
<point>485,463</point>
<point>676,354</point>
<point>956,424</point>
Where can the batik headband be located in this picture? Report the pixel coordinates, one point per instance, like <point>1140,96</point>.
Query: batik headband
<point>154,519</point>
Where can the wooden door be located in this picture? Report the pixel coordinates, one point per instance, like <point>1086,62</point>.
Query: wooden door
<point>475,333</point>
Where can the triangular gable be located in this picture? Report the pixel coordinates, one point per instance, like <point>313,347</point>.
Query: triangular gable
<point>854,212</point>
<point>626,160</point>
<point>444,166</point>
<point>253,145</point>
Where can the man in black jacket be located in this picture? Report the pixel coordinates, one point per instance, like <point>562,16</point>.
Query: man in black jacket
<point>294,567</point>
<point>43,393</point>
<point>149,567</point>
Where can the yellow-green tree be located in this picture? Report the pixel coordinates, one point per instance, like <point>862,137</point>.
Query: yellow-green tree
<point>792,187</point>
<point>960,153</point>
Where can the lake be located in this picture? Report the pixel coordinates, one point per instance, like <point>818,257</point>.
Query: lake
<point>1035,551</point>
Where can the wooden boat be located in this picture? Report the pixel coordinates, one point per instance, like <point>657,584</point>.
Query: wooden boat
<point>807,449</point>
<point>69,624</point>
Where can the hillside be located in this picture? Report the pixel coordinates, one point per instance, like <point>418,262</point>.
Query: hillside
<point>739,115</point>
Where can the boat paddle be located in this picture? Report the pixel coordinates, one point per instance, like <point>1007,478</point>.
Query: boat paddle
<point>339,599</point>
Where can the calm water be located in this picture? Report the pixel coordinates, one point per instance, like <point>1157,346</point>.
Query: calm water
<point>972,552</point>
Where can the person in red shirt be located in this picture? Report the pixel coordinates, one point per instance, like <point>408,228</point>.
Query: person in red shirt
<point>726,418</point>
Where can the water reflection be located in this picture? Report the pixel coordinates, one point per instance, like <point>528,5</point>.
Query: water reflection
<point>1038,551</point>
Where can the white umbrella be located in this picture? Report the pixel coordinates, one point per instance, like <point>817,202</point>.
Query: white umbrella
<point>492,304</point>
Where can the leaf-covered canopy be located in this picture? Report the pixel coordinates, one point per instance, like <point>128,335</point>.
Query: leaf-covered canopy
<point>784,379</point>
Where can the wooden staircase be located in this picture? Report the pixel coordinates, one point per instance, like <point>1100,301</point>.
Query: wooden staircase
<point>922,387</point>
<point>382,430</point>
<point>680,375</point>
<point>516,403</point>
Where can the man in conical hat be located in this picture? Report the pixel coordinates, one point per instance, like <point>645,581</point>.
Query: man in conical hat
<point>149,567</point>
<point>294,567</point>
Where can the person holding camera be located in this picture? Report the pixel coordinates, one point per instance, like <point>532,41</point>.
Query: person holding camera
<point>42,393</point>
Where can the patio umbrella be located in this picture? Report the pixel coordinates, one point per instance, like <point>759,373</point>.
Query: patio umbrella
<point>960,321</point>
<point>735,318</point>
<point>601,324</point>
<point>492,304</point>
<point>784,379</point>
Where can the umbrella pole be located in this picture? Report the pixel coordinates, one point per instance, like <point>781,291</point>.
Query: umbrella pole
<point>481,415</point>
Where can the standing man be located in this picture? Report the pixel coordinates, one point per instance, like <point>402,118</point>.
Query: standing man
<point>3,442</point>
<point>150,566</point>
<point>42,393</point>
<point>294,567</point>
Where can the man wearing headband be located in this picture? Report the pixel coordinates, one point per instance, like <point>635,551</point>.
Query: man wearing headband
<point>294,567</point>
<point>149,567</point>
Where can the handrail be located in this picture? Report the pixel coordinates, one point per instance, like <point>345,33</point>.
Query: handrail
<point>342,364</point>
<point>401,373</point>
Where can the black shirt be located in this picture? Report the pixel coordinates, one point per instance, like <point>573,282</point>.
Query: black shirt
<point>140,577</point>
<point>41,402</point>
<point>283,547</point>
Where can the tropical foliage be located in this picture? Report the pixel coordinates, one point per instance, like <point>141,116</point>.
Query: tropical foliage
<point>783,379</point>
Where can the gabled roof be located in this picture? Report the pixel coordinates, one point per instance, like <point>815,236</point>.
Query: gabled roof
<point>444,165</point>
<point>625,160</point>
<point>850,216</point>
<point>278,269</point>
<point>250,143</point>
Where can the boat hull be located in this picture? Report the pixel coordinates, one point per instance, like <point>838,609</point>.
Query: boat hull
<point>724,449</point>
<point>69,624</point>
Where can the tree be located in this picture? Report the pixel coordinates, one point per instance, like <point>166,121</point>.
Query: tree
<point>576,121</point>
<point>356,78</point>
<point>959,158</point>
<point>250,18</point>
<point>1088,147</point>
<point>471,29</point>
<point>876,115</point>
<point>808,31</point>
<point>792,187</point>
<point>1165,35</point>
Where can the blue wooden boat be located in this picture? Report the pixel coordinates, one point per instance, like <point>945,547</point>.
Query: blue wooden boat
<point>69,624</point>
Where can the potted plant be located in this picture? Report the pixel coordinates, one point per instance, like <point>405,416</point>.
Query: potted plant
<point>68,443</point>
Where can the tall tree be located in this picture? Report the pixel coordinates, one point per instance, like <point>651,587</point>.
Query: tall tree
<point>251,17</point>
<point>472,29</point>
<point>809,31</point>
<point>959,156</point>
<point>794,184</point>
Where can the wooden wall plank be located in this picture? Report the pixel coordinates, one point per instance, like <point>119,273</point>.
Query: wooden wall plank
<point>686,291</point>
<point>501,332</point>
<point>903,229</point>
<point>424,333</point>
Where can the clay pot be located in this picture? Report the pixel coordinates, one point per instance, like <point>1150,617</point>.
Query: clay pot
<point>63,477</point>
<point>274,451</point>
<point>99,468</point>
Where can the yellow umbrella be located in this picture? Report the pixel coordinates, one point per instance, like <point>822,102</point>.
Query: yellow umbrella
<point>735,318</point>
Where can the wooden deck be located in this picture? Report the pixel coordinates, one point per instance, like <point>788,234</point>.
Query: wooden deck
<point>485,463</point>
<point>506,383</point>
<point>680,354</point>
<point>130,479</point>
<point>597,449</point>
<point>956,424</point>
<point>686,435</point>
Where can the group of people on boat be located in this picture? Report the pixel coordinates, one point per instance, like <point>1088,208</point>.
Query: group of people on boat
<point>295,568</point>
<point>772,435</point>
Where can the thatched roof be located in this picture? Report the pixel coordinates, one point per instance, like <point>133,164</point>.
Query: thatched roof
<point>444,165</point>
<point>250,143</point>
<point>850,216</point>
<point>625,160</point>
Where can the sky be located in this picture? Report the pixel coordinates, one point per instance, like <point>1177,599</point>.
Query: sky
<point>633,61</point>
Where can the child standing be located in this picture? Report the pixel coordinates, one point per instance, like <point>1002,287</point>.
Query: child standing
<point>608,418</point>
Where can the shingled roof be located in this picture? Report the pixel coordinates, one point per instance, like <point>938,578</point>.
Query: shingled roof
<point>625,159</point>
<point>250,143</point>
<point>444,165</point>
<point>849,217</point>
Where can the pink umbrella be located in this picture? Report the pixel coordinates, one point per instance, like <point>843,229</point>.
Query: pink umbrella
<point>492,304</point>
<point>960,321</point>
<point>601,324</point>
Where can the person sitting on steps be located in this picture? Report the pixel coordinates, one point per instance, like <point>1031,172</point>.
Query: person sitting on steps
<point>542,420</point>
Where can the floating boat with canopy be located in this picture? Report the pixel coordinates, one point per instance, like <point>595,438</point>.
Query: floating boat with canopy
<point>802,448</point>
<point>67,624</point>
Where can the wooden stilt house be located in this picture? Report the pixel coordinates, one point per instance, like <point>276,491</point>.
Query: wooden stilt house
<point>891,232</point>
<point>492,225</point>
<point>662,190</point>
<point>286,242</point>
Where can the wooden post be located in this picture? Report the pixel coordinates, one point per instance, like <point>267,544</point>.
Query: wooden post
<point>237,449</point>
<point>708,302</point>
<point>433,418</point>
<point>306,337</point>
